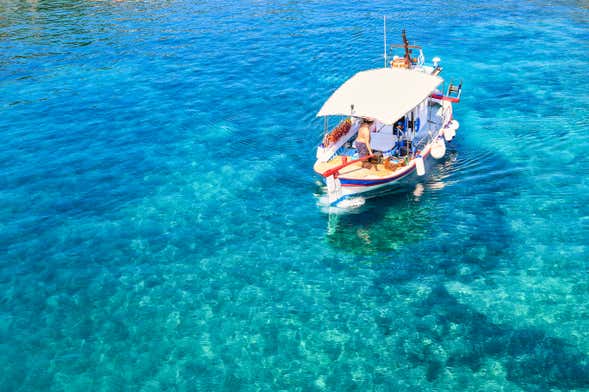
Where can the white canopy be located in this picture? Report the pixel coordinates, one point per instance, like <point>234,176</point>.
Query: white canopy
<point>384,94</point>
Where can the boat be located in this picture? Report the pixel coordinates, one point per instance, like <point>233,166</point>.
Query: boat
<point>409,113</point>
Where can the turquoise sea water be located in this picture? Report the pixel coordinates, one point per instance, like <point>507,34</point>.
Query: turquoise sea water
<point>159,218</point>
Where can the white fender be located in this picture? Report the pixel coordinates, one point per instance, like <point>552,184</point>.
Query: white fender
<point>419,165</point>
<point>438,149</point>
<point>455,124</point>
<point>450,130</point>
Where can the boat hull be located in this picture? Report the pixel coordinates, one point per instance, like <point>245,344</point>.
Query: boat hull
<point>374,187</point>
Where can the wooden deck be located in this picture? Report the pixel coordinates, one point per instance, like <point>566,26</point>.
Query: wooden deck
<point>355,171</point>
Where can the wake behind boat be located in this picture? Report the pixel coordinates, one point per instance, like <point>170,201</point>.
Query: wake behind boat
<point>390,120</point>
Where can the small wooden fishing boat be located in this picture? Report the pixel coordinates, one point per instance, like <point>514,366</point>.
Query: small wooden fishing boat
<point>409,119</point>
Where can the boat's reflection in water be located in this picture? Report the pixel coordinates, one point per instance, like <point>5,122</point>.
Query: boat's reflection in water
<point>385,223</point>
<point>392,218</point>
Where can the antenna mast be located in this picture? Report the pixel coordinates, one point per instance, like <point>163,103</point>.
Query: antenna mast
<point>406,46</point>
<point>385,40</point>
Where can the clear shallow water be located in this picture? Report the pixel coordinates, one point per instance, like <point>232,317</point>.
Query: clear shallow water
<point>159,221</point>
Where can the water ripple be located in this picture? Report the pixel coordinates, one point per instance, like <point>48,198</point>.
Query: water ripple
<point>160,227</point>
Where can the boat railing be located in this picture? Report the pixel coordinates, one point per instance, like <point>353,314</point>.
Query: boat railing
<point>325,152</point>
<point>453,92</point>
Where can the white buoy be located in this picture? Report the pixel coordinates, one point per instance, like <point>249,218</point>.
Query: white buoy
<point>419,165</point>
<point>438,149</point>
<point>450,130</point>
<point>455,124</point>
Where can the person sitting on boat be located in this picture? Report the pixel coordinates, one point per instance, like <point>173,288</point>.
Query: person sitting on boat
<point>363,139</point>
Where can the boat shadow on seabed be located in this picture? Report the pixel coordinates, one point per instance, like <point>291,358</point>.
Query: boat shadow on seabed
<point>530,357</point>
